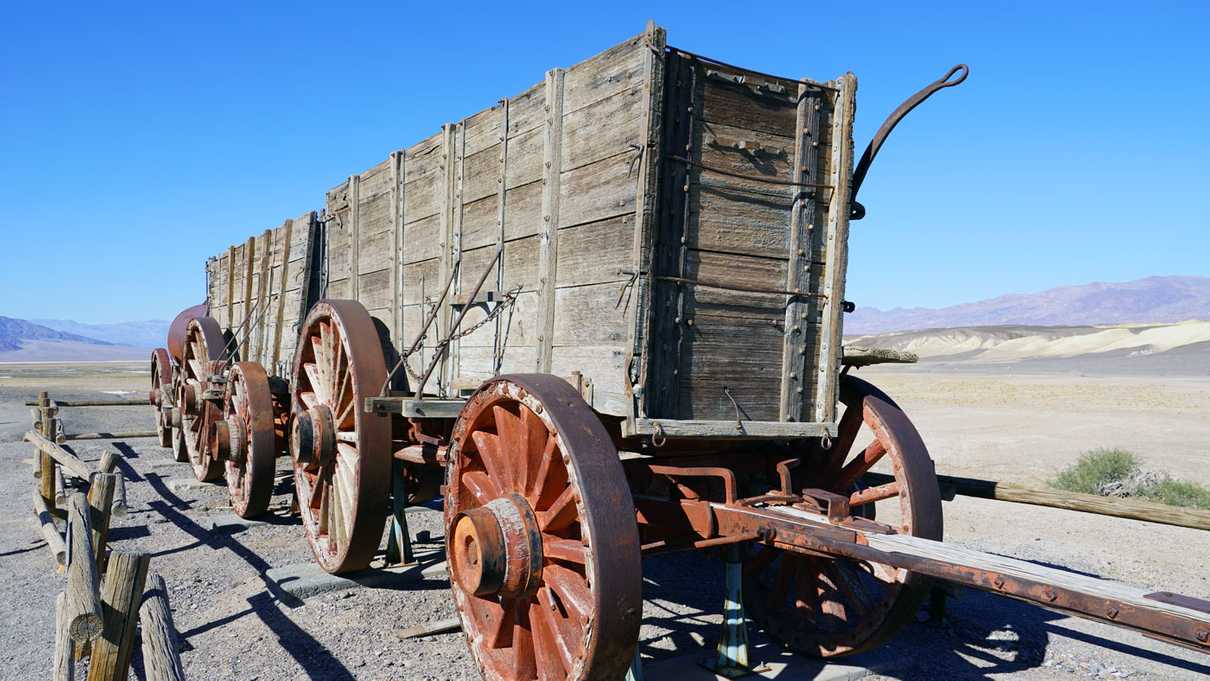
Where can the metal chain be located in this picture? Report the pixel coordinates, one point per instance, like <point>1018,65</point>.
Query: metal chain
<point>507,301</point>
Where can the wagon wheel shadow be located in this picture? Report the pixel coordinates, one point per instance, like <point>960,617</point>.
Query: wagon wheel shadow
<point>982,636</point>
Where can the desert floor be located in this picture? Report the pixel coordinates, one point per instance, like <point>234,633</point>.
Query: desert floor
<point>992,425</point>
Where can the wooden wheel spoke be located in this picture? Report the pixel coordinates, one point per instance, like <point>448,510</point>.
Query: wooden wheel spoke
<point>856,468</point>
<point>873,494</point>
<point>499,623</point>
<point>315,378</point>
<point>494,458</point>
<point>512,438</point>
<point>570,550</point>
<point>548,462</point>
<point>571,588</point>
<point>524,660</point>
<point>561,513</point>
<point>550,638</point>
<point>846,434</point>
<point>536,442</point>
<point>481,486</point>
<point>309,399</point>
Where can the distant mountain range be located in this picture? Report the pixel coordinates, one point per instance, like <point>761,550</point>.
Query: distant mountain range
<point>24,341</point>
<point>1150,300</point>
<point>145,334</point>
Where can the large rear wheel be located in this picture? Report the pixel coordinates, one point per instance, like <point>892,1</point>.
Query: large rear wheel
<point>541,537</point>
<point>341,455</point>
<point>828,607</point>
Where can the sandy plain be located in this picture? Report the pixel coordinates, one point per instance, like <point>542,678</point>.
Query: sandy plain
<point>999,425</point>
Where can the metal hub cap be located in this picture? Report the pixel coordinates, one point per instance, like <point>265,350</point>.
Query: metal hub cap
<point>497,549</point>
<point>313,437</point>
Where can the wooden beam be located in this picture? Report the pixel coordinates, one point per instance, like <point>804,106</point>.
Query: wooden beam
<point>119,496</point>
<point>72,463</point>
<point>548,229</point>
<point>50,534</point>
<point>1117,507</point>
<point>100,501</point>
<point>65,657</point>
<point>105,435</point>
<point>284,276</point>
<point>83,606</point>
<point>133,402</point>
<point>161,659</point>
<point>122,595</point>
<point>249,264</point>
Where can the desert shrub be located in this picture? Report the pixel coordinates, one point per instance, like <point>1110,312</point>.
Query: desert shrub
<point>1097,468</point>
<point>1178,493</point>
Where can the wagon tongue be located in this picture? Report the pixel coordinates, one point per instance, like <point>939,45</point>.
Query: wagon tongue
<point>1169,617</point>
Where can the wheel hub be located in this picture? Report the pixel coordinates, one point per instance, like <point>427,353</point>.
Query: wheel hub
<point>313,437</point>
<point>496,549</point>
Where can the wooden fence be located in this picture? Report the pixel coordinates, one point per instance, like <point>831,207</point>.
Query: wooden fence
<point>105,595</point>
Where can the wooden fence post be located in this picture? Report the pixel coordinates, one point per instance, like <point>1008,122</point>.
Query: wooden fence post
<point>100,500</point>
<point>122,593</point>
<point>161,657</point>
<point>65,659</point>
<point>46,465</point>
<point>83,604</point>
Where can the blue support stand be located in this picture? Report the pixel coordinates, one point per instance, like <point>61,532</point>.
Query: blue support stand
<point>731,656</point>
<point>399,540</point>
<point>636,667</point>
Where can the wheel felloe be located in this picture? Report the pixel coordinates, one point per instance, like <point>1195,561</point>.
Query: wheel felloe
<point>202,358</point>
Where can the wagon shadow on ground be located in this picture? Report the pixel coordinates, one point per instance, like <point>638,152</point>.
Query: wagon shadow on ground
<point>982,635</point>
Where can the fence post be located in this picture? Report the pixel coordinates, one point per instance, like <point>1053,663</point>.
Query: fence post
<point>100,500</point>
<point>46,465</point>
<point>161,658</point>
<point>65,660</point>
<point>122,593</point>
<point>83,590</point>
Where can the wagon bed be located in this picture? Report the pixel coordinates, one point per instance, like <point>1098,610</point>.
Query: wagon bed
<point>668,230</point>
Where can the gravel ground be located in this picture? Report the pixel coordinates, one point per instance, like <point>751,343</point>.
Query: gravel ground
<point>238,626</point>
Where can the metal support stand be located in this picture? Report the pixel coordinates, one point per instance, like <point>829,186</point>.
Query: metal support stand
<point>635,673</point>
<point>731,656</point>
<point>399,541</point>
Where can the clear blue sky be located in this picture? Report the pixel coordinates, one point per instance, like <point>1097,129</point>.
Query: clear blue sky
<point>137,140</point>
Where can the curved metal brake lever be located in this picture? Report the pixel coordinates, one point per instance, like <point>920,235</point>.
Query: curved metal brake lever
<point>857,211</point>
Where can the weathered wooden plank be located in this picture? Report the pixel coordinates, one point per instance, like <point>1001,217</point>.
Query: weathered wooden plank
<point>730,279</point>
<point>724,354</point>
<point>548,258</point>
<point>524,217</point>
<point>526,111</point>
<point>738,106</point>
<point>590,315</point>
<point>596,252</point>
<point>122,593</point>
<point>479,222</point>
<point>480,174</point>
<point>249,267</point>
<point>525,158</point>
<point>615,70</point>
<point>837,236</point>
<point>598,191</point>
<point>604,128</point>
<point>794,363</point>
<point>603,366</point>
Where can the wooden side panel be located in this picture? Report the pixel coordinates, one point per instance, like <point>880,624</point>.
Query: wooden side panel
<point>741,270</point>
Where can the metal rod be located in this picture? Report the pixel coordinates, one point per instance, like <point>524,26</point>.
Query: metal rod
<point>444,345</point>
<point>103,435</point>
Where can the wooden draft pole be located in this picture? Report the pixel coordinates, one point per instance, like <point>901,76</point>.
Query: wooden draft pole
<point>161,656</point>
<point>1118,507</point>
<point>122,594</point>
<point>83,594</point>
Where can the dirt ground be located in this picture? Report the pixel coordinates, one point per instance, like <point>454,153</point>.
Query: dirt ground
<point>236,625</point>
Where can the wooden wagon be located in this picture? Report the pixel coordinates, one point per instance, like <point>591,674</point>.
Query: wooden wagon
<point>601,319</point>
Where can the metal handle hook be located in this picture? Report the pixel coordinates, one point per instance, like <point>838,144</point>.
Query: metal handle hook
<point>857,211</point>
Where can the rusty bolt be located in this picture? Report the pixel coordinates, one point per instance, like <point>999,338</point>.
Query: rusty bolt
<point>1203,635</point>
<point>999,582</point>
<point>1113,613</point>
<point>1050,594</point>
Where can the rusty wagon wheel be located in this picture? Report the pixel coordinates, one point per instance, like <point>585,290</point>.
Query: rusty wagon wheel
<point>830,607</point>
<point>341,455</point>
<point>203,356</point>
<point>541,536</point>
<point>245,439</point>
<point>161,394</point>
